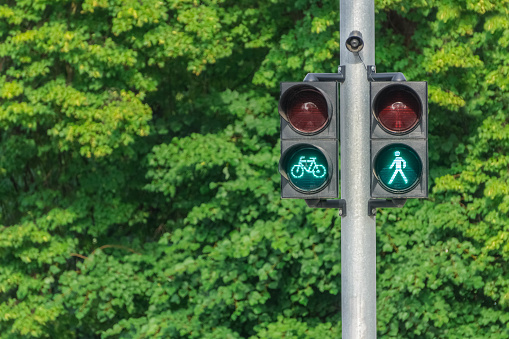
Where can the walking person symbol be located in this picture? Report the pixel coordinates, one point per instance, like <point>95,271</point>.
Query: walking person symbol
<point>400,163</point>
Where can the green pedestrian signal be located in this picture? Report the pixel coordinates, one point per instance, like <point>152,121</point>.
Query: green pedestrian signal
<point>306,168</point>
<point>398,168</point>
<point>399,139</point>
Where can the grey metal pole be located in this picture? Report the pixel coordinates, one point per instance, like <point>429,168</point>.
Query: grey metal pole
<point>358,234</point>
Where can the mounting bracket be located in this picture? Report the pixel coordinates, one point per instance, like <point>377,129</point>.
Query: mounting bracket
<point>374,76</point>
<point>326,203</point>
<point>373,204</point>
<point>339,76</point>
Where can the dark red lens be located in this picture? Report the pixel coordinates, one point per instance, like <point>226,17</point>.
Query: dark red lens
<point>307,111</point>
<point>398,110</point>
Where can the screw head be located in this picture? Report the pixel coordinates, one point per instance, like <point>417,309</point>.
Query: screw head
<point>373,211</point>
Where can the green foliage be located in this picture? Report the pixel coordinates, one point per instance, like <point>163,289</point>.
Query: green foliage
<point>138,172</point>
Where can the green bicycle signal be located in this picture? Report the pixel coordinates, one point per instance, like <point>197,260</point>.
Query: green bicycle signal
<point>307,168</point>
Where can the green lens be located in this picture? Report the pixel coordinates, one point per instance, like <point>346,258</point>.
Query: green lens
<point>398,168</point>
<point>307,168</point>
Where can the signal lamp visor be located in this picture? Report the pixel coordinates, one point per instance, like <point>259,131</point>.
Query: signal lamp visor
<point>398,109</point>
<point>306,109</point>
<point>398,168</point>
<point>306,168</point>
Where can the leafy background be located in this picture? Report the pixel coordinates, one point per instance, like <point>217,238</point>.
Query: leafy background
<point>139,193</point>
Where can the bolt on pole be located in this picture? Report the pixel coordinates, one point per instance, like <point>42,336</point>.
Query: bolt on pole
<point>358,232</point>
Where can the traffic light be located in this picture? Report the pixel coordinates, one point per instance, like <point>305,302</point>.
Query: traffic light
<point>399,139</point>
<point>309,139</point>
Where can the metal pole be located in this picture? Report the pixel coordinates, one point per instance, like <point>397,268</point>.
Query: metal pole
<point>358,234</point>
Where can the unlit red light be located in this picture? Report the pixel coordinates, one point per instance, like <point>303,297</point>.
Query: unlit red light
<point>398,111</point>
<point>307,111</point>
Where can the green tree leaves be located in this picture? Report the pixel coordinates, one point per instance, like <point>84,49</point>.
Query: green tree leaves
<point>138,172</point>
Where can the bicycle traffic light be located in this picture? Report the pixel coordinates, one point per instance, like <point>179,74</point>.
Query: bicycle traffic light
<point>399,139</point>
<point>309,140</point>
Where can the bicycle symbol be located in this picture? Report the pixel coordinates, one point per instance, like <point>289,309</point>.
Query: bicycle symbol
<point>308,166</point>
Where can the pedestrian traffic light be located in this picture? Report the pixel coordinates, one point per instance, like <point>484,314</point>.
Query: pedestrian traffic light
<point>309,139</point>
<point>399,139</point>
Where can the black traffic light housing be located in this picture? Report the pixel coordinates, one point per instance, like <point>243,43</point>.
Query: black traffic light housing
<point>309,140</point>
<point>399,126</point>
